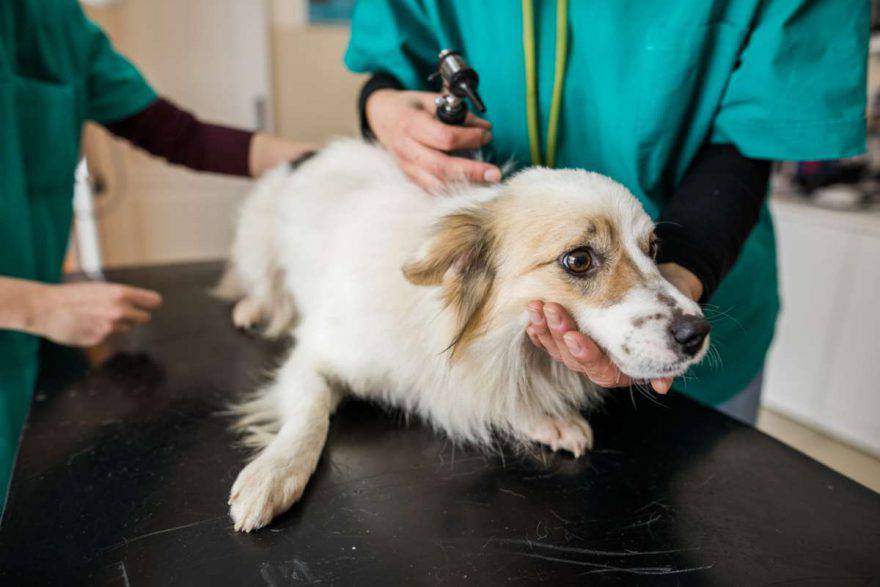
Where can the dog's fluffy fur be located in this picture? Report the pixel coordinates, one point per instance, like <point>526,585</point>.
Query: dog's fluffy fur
<point>419,301</point>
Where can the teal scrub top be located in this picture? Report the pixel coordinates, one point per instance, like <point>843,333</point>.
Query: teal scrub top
<point>57,70</point>
<point>646,84</point>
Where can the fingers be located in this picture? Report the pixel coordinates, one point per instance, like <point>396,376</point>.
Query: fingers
<point>129,306</point>
<point>121,327</point>
<point>142,298</point>
<point>662,385</point>
<point>442,167</point>
<point>425,180</point>
<point>594,362</point>
<point>579,353</point>
<point>124,319</point>
<point>539,332</point>
<point>429,131</point>
<point>133,315</point>
<point>560,324</point>
<point>474,120</point>
<point>405,123</point>
<point>533,337</point>
<point>425,101</point>
<point>553,329</point>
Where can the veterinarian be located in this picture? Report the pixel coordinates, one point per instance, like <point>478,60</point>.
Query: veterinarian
<point>58,70</point>
<point>685,102</point>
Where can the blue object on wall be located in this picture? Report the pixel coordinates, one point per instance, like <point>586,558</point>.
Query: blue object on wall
<point>330,11</point>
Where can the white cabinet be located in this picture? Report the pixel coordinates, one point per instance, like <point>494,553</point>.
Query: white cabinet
<point>824,366</point>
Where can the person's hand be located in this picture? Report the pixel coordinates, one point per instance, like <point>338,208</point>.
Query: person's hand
<point>553,329</point>
<point>84,314</point>
<point>686,282</point>
<point>268,151</point>
<point>404,123</point>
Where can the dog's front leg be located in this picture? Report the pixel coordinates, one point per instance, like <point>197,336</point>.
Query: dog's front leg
<point>277,477</point>
<point>570,432</point>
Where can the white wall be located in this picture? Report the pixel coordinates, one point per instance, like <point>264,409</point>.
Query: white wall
<point>212,57</point>
<point>315,94</point>
<point>215,57</point>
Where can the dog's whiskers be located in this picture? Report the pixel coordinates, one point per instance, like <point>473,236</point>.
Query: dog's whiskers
<point>645,390</point>
<point>715,315</point>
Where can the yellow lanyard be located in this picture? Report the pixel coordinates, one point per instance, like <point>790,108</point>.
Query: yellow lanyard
<point>528,16</point>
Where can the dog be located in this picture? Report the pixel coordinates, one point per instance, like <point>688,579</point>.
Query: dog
<point>418,301</point>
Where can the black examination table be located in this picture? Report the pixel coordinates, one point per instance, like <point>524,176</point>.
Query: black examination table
<point>124,470</point>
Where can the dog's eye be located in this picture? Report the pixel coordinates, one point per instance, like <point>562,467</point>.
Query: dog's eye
<point>578,261</point>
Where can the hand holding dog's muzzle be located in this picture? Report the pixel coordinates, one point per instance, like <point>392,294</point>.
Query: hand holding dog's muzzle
<point>553,329</point>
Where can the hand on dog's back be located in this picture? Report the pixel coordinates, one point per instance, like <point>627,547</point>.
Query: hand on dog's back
<point>404,123</point>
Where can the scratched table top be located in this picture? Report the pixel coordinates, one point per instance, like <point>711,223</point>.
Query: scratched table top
<point>125,466</point>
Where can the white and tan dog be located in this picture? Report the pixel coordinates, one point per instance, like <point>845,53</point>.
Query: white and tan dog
<point>419,302</point>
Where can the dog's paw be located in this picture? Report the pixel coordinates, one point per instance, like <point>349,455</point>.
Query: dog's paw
<point>572,434</point>
<point>260,493</point>
<point>246,314</point>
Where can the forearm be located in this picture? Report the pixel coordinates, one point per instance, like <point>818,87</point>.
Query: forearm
<point>18,302</point>
<point>378,81</point>
<point>164,130</point>
<point>268,151</point>
<point>704,226</point>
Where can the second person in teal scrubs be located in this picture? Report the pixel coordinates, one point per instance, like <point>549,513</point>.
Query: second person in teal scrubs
<point>57,71</point>
<point>683,101</point>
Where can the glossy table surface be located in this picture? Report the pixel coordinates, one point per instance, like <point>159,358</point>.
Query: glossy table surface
<point>125,466</point>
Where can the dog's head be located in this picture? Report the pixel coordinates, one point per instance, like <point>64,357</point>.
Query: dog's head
<point>572,237</point>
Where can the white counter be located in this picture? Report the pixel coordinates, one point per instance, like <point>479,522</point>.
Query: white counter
<point>824,366</point>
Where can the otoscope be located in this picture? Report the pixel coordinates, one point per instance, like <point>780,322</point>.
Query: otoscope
<point>460,81</point>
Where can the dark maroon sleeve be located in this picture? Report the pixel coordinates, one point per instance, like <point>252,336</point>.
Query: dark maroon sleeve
<point>164,130</point>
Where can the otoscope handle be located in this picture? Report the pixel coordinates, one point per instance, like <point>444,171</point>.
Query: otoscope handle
<point>460,82</point>
<point>455,115</point>
<point>451,113</point>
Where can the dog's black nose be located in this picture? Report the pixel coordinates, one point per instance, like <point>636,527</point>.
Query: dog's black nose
<point>690,332</point>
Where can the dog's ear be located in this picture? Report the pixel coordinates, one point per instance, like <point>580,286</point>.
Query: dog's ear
<point>458,244</point>
<point>458,255</point>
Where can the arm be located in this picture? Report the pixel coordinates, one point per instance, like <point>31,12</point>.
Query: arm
<point>377,81</point>
<point>78,314</point>
<point>704,226</point>
<point>702,230</point>
<point>17,311</point>
<point>169,132</point>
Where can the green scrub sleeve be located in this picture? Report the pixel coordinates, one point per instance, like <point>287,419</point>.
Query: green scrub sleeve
<point>396,37</point>
<point>115,89</point>
<point>799,90</point>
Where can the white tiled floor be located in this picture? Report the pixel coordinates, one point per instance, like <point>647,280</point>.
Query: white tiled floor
<point>841,457</point>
